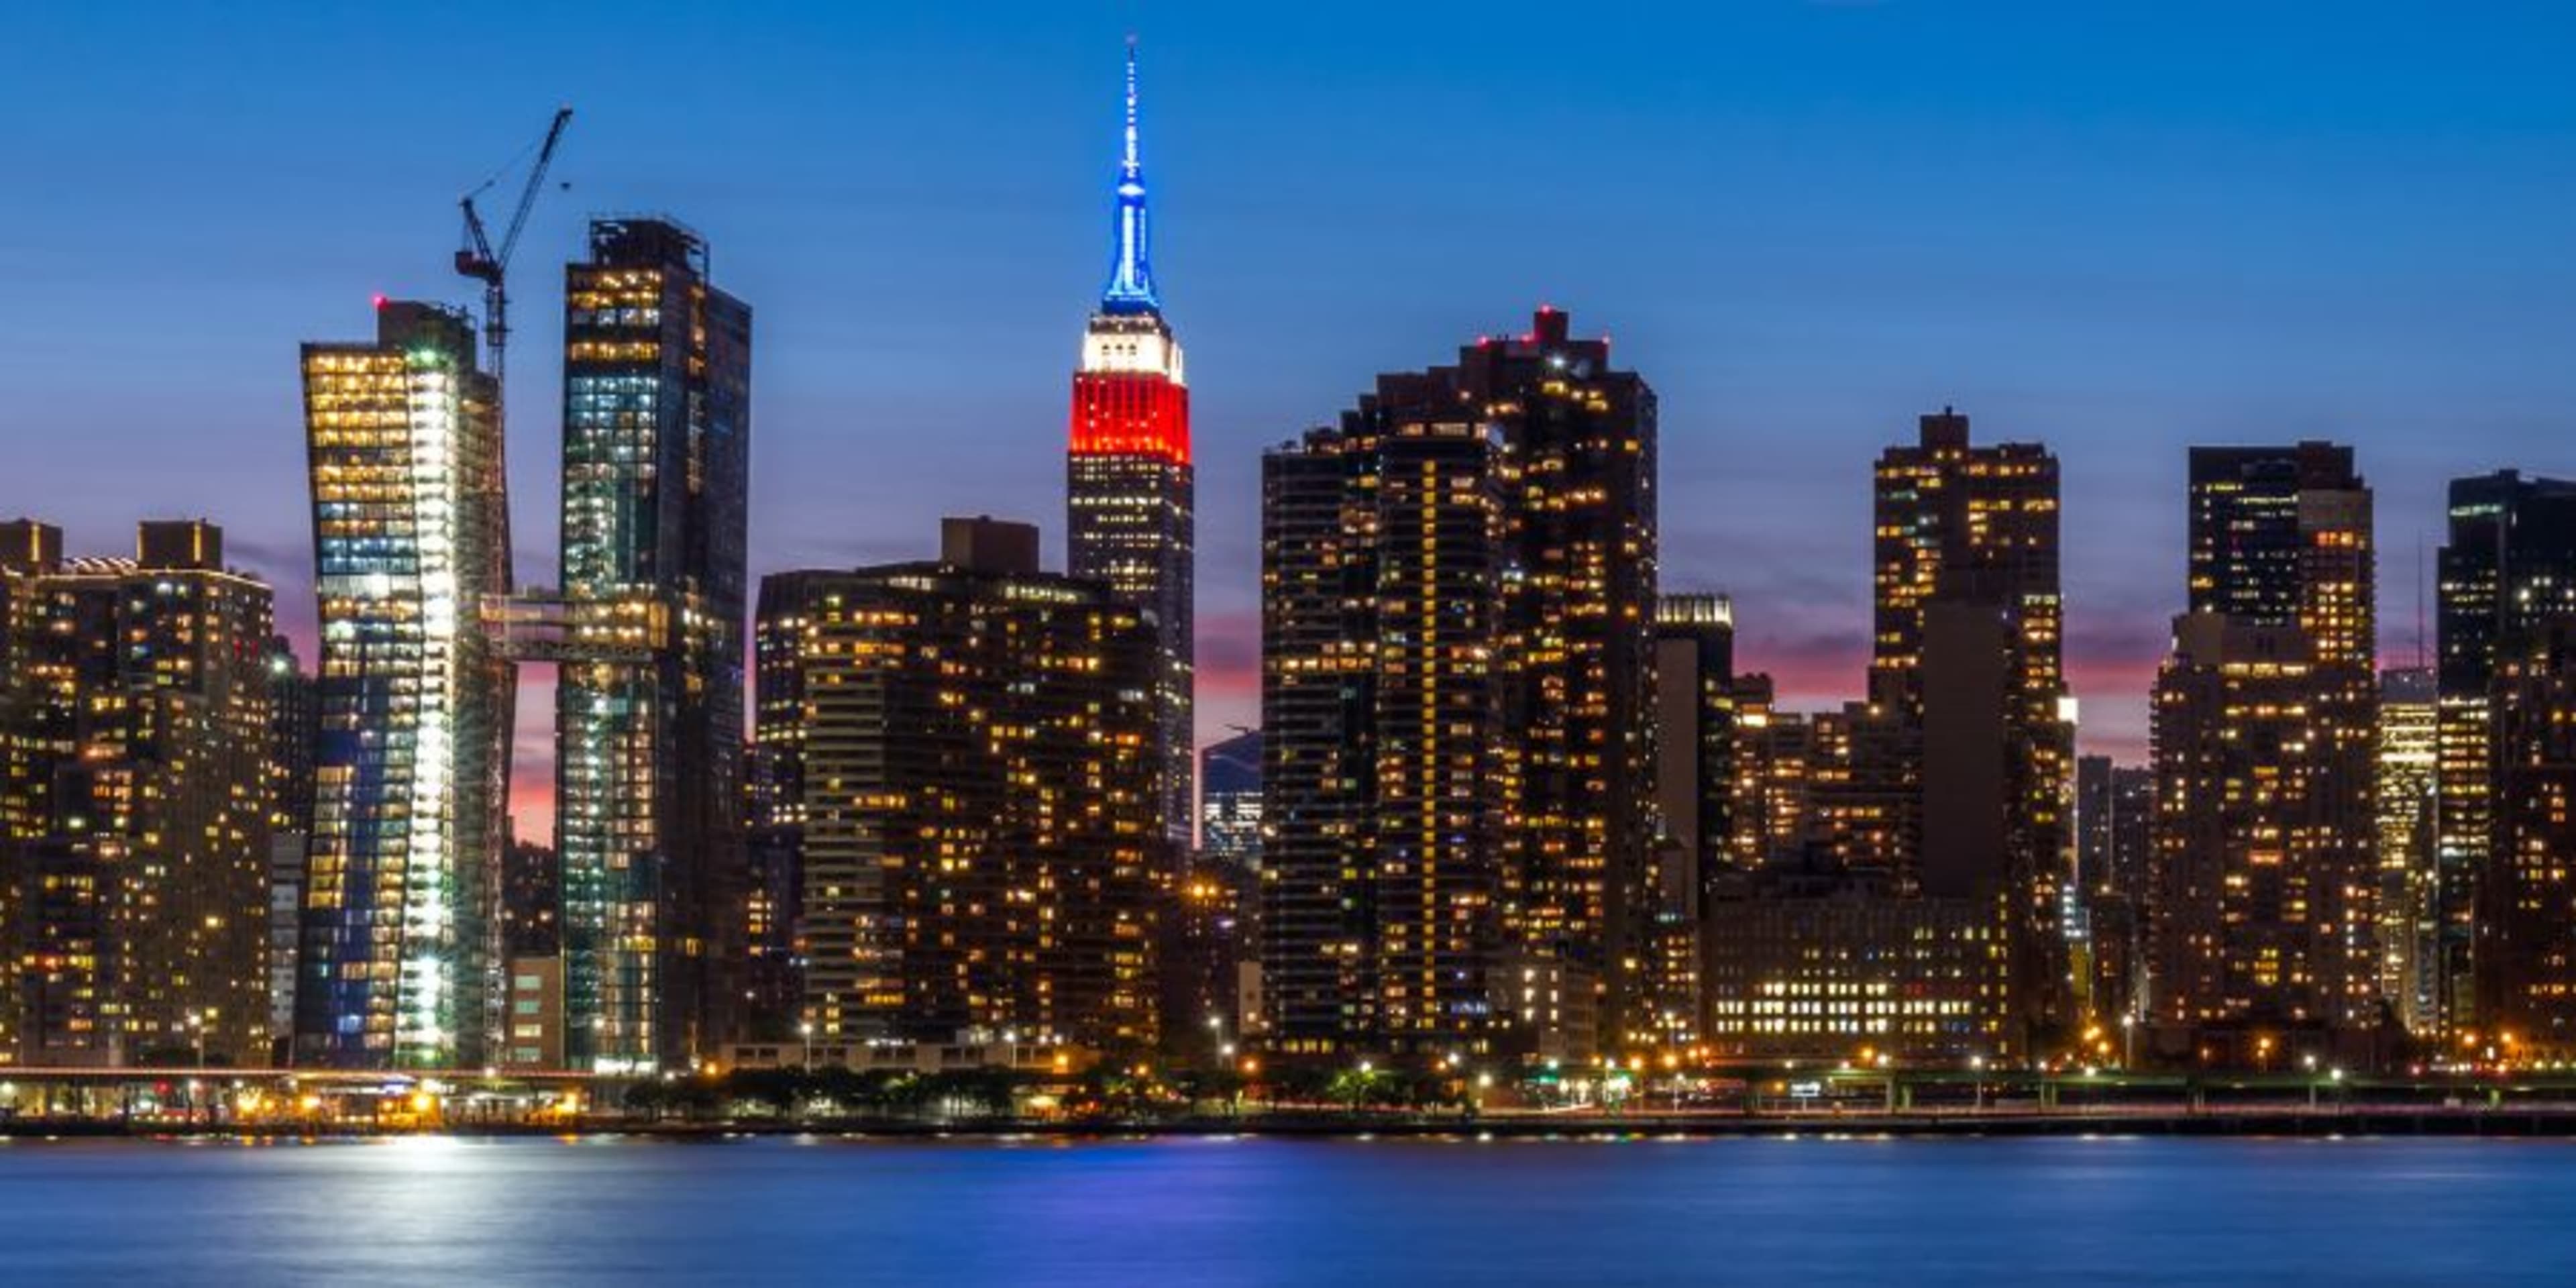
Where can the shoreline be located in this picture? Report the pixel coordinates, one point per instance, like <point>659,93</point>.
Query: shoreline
<point>2516,1124</point>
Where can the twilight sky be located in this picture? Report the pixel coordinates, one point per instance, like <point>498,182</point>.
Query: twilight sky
<point>2120,228</point>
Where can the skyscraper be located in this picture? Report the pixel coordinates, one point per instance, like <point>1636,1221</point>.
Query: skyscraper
<point>649,700</point>
<point>1381,728</point>
<point>2265,730</point>
<point>1128,480</point>
<point>1968,661</point>
<point>2526,955</point>
<point>1457,706</point>
<point>2508,567</point>
<point>2409,922</point>
<point>411,540</point>
<point>1577,650</point>
<point>137,874</point>
<point>965,744</point>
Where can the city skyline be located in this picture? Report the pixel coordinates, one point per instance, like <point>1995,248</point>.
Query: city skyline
<point>1781,269</point>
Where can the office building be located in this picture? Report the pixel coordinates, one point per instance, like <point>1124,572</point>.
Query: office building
<point>2409,931</point>
<point>1809,963</point>
<point>1230,800</point>
<point>649,694</point>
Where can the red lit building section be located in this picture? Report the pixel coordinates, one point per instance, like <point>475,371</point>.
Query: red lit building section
<point>1131,414</point>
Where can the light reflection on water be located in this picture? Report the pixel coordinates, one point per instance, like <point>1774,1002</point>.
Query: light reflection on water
<point>1241,1211</point>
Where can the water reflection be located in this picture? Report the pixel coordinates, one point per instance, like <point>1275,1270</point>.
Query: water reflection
<point>1229,1211</point>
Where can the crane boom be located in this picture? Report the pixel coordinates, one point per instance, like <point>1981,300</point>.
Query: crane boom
<point>478,259</point>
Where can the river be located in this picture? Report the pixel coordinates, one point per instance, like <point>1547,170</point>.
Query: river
<point>1347,1213</point>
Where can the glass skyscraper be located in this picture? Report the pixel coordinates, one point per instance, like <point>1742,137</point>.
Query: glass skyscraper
<point>411,767</point>
<point>649,700</point>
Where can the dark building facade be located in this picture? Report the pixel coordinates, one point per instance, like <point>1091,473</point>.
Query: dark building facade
<point>649,716</point>
<point>294,726</point>
<point>2508,567</point>
<point>965,747</point>
<point>1695,795</point>
<point>2526,950</point>
<point>1129,481</point>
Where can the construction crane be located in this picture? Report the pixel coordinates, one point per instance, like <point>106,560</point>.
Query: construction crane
<point>478,259</point>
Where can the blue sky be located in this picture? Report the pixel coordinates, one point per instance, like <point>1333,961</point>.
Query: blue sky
<point>2119,228</point>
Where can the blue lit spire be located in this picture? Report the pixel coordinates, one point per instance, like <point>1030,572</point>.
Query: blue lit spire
<point>1131,278</point>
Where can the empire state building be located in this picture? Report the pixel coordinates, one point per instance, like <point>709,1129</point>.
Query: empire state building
<point>1128,472</point>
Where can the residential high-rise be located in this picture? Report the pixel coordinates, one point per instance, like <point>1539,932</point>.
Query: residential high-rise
<point>411,541</point>
<point>136,865</point>
<point>2409,921</point>
<point>1577,651</point>
<point>967,745</point>
<point>1458,636</point>
<point>1381,728</point>
<point>1967,660</point>
<point>2508,567</point>
<point>649,697</point>
<point>2526,955</point>
<point>1128,480</point>
<point>2265,731</point>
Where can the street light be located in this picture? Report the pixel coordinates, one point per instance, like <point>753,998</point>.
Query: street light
<point>805,1032</point>
<point>2129,1041</point>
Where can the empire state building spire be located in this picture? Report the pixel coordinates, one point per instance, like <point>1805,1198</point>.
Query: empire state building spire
<point>1131,277</point>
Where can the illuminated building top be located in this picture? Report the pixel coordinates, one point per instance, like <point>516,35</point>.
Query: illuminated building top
<point>1131,277</point>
